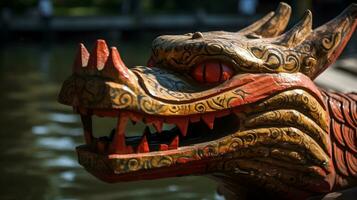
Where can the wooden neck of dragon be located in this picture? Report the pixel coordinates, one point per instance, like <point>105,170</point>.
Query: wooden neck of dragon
<point>245,106</point>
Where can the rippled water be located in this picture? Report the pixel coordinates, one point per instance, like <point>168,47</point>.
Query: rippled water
<point>38,135</point>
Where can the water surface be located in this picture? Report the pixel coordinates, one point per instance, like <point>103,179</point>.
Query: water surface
<point>38,135</point>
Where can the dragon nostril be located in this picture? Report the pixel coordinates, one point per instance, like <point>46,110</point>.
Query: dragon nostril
<point>197,35</point>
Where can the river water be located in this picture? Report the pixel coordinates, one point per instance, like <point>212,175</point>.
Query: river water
<point>38,135</point>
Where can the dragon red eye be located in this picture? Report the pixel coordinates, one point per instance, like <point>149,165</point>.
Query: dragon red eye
<point>212,72</point>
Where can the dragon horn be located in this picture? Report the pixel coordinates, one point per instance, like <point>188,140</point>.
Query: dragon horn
<point>270,25</point>
<point>115,67</point>
<point>327,41</point>
<point>99,55</point>
<point>298,33</point>
<point>81,59</point>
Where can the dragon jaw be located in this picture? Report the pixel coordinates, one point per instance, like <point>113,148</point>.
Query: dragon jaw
<point>269,109</point>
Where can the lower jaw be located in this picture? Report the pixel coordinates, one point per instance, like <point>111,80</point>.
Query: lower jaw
<point>185,160</point>
<point>197,159</point>
<point>116,168</point>
<point>190,156</point>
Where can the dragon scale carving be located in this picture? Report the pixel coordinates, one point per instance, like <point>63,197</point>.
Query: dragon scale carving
<point>246,109</point>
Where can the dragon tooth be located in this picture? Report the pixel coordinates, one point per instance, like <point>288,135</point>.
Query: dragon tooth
<point>99,55</point>
<point>143,146</point>
<point>174,143</point>
<point>209,120</point>
<point>81,59</point>
<point>158,125</point>
<point>182,124</point>
<point>118,144</point>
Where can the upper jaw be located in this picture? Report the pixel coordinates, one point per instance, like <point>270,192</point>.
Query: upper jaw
<point>181,52</point>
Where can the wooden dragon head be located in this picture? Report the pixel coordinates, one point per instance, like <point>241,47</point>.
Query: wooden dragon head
<point>244,105</point>
<point>262,47</point>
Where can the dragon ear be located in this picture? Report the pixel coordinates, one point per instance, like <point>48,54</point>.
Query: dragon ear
<point>271,25</point>
<point>326,42</point>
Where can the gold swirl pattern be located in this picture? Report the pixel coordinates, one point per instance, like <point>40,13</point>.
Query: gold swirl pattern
<point>282,139</point>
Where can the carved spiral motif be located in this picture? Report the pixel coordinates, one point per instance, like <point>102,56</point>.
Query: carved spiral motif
<point>200,107</point>
<point>292,63</point>
<point>147,105</point>
<point>121,98</point>
<point>164,161</point>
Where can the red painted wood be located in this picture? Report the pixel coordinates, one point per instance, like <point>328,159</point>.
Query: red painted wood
<point>340,161</point>
<point>118,144</point>
<point>98,56</point>
<point>174,143</point>
<point>143,146</point>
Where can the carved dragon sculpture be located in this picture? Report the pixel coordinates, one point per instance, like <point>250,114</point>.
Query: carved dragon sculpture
<point>246,109</point>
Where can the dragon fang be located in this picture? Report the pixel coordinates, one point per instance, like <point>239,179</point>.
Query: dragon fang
<point>245,106</point>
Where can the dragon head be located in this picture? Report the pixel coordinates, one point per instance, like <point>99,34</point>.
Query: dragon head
<point>244,105</point>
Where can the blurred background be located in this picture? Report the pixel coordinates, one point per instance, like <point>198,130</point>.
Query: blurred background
<point>38,41</point>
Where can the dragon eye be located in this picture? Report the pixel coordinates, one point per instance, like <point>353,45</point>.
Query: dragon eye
<point>212,72</point>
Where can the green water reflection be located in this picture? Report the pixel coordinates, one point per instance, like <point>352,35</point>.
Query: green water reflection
<point>38,135</point>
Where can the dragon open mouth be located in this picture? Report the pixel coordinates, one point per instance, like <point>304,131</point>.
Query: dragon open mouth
<point>188,132</point>
<point>243,105</point>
